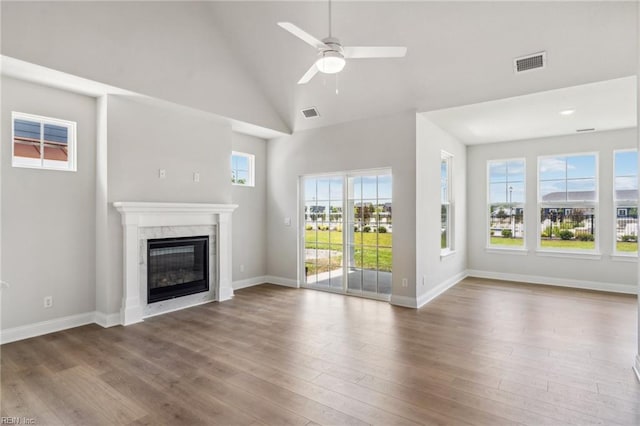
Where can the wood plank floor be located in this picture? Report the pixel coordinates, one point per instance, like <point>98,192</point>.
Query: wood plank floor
<point>485,352</point>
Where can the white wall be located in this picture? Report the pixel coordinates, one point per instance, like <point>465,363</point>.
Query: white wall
<point>144,137</point>
<point>48,217</point>
<point>167,50</point>
<point>250,218</point>
<point>604,273</point>
<point>365,144</point>
<point>436,273</point>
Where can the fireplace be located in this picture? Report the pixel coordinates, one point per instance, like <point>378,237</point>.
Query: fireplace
<point>177,267</point>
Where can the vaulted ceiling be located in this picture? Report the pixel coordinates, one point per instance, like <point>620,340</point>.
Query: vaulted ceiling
<point>231,58</point>
<point>458,52</point>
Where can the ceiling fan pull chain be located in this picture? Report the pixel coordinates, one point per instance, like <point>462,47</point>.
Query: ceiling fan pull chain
<point>337,91</point>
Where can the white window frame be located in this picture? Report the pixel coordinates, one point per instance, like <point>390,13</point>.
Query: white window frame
<point>449,202</point>
<point>41,163</point>
<point>251,161</point>
<point>589,254</point>
<point>523,204</point>
<point>617,204</point>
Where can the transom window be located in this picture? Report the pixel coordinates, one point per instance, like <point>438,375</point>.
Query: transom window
<point>242,169</point>
<point>568,201</point>
<point>506,199</point>
<point>626,201</point>
<point>43,142</point>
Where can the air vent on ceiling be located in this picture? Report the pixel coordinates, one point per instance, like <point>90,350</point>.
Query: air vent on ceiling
<point>311,112</point>
<point>530,62</point>
<point>590,129</point>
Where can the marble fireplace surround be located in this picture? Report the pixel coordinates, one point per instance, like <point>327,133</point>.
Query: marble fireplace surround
<point>144,220</point>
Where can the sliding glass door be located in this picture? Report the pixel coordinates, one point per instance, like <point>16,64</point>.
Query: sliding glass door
<point>348,228</point>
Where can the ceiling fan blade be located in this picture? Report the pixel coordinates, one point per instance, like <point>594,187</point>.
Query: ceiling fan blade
<point>309,74</point>
<point>302,35</point>
<point>363,52</point>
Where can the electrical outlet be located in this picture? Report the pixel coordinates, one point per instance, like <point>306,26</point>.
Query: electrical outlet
<point>405,282</point>
<point>196,176</point>
<point>424,280</point>
<point>241,268</point>
<point>287,221</point>
<point>48,301</point>
<point>162,173</point>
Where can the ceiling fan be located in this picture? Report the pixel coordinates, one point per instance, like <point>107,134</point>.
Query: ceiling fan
<point>331,53</point>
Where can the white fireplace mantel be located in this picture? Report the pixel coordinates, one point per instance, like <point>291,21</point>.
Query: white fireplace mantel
<point>137,215</point>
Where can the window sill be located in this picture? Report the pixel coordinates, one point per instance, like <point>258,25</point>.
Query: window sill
<point>500,250</point>
<point>569,254</point>
<point>447,253</point>
<point>243,184</point>
<point>633,258</point>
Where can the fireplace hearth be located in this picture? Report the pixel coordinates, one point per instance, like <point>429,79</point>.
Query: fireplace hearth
<point>177,267</point>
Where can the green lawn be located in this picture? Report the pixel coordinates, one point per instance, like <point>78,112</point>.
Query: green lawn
<point>366,254</point>
<point>626,246</point>
<point>511,242</point>
<point>568,244</point>
<point>564,244</point>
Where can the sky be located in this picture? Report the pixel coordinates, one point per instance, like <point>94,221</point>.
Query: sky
<point>365,188</point>
<point>577,173</point>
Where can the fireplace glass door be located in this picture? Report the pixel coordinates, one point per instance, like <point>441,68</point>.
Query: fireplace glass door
<point>177,267</point>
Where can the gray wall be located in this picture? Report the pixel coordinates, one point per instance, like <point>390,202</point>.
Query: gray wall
<point>145,136</point>
<point>167,50</point>
<point>365,144</point>
<point>250,218</point>
<point>607,272</point>
<point>433,270</point>
<point>48,217</point>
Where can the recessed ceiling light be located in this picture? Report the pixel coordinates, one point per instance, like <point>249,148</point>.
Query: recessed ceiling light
<point>567,112</point>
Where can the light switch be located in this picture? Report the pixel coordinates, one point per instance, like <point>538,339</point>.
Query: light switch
<point>196,176</point>
<point>162,173</point>
<point>287,221</point>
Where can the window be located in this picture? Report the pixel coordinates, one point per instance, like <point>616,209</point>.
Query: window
<point>242,169</point>
<point>568,201</point>
<point>625,196</point>
<point>43,143</point>
<point>506,199</point>
<point>446,203</point>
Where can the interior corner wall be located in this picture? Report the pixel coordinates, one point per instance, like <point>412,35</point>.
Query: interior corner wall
<point>436,273</point>
<point>384,142</point>
<point>146,136</point>
<point>48,216</point>
<point>250,218</point>
<point>164,49</point>
<point>606,273</point>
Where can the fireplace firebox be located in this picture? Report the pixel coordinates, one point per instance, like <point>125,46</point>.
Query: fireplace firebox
<point>177,267</point>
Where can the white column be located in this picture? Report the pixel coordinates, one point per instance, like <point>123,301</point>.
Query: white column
<point>636,366</point>
<point>131,311</point>
<point>225,291</point>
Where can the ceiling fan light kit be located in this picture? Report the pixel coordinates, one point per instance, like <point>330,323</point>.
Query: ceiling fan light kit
<point>332,56</point>
<point>330,62</point>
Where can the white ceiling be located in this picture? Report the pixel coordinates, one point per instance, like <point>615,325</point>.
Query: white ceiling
<point>459,53</point>
<point>605,105</point>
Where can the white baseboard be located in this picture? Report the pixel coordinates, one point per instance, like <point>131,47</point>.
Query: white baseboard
<point>286,282</point>
<point>420,301</point>
<point>249,282</point>
<point>560,282</point>
<point>107,320</point>
<point>45,327</point>
<point>636,367</point>
<point>404,301</point>
<point>441,288</point>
